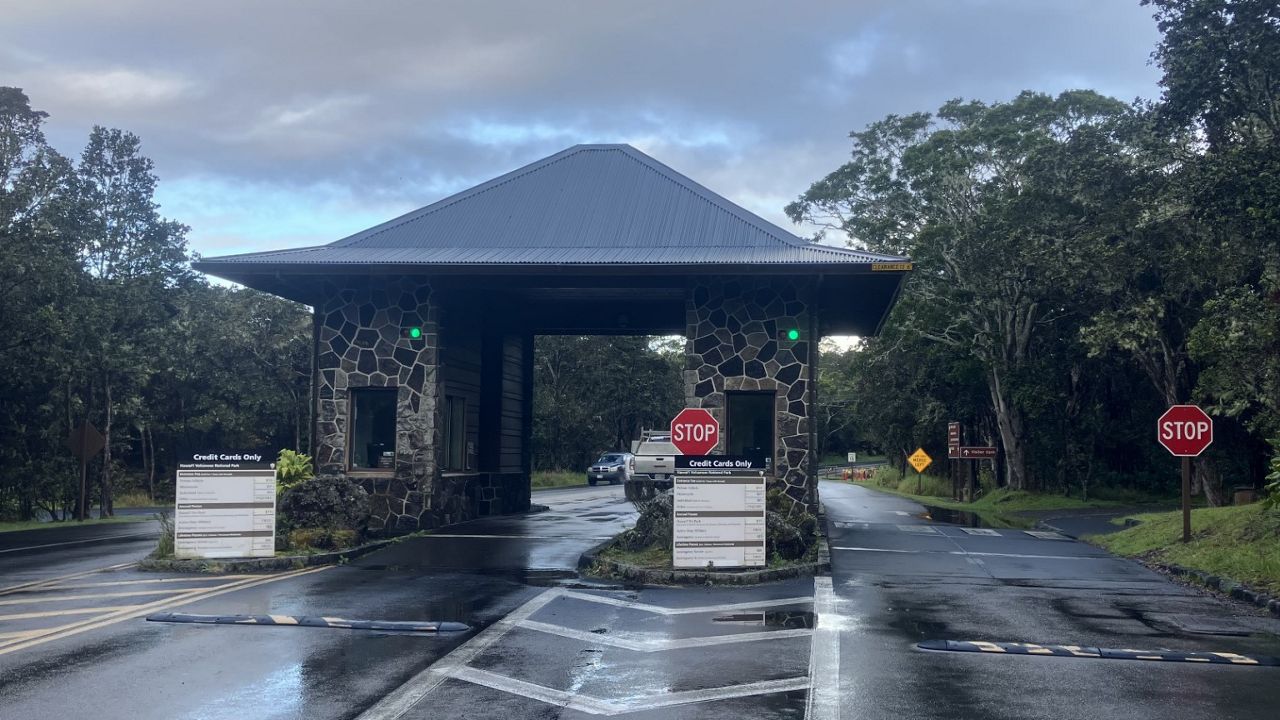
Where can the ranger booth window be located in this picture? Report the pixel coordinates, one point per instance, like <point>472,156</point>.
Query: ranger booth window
<point>373,428</point>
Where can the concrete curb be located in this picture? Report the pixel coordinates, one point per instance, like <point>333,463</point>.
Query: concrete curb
<point>1225,586</point>
<point>250,565</point>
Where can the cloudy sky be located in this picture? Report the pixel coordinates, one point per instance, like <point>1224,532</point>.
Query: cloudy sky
<point>279,124</point>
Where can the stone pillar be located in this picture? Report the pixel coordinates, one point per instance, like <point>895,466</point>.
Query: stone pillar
<point>360,346</point>
<point>732,343</point>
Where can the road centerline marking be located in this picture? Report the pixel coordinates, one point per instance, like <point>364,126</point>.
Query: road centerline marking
<point>114,617</point>
<point>60,578</point>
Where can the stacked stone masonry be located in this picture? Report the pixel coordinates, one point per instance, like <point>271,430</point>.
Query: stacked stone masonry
<point>733,344</point>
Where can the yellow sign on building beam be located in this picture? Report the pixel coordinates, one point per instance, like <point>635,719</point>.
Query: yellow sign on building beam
<point>919,460</point>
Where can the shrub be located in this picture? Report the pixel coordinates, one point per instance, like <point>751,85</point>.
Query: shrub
<point>328,502</point>
<point>1273,487</point>
<point>164,545</point>
<point>886,476</point>
<point>928,485</point>
<point>292,469</point>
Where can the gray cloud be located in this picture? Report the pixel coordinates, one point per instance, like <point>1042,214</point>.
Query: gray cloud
<point>349,112</point>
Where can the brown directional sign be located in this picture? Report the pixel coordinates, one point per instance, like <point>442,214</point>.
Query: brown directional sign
<point>85,441</point>
<point>953,440</point>
<point>977,453</point>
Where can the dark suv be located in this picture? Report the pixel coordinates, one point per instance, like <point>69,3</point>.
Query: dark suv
<point>611,467</point>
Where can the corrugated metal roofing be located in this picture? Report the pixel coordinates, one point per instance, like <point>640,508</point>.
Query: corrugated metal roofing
<point>587,205</point>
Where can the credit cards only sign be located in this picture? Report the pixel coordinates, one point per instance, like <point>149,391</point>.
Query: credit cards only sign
<point>719,512</point>
<point>226,505</point>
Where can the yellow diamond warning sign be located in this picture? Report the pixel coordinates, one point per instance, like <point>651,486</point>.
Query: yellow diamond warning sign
<point>920,460</point>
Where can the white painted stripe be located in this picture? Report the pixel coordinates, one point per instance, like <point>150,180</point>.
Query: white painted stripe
<point>81,542</point>
<point>597,706</point>
<point>899,512</point>
<point>980,531</point>
<point>762,687</point>
<point>982,554</point>
<point>660,610</point>
<point>823,701</point>
<point>659,644</point>
<point>550,696</point>
<point>403,698</point>
<point>921,529</point>
<point>1046,535</point>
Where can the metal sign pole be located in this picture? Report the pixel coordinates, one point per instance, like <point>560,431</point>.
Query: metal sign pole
<point>1186,499</point>
<point>84,473</point>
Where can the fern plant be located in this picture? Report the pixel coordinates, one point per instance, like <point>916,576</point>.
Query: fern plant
<point>292,469</point>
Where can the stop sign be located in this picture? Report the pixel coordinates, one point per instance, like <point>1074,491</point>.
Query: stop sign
<point>1185,430</point>
<point>694,431</point>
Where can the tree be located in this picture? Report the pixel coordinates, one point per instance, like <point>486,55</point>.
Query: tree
<point>38,271</point>
<point>133,256</point>
<point>975,196</point>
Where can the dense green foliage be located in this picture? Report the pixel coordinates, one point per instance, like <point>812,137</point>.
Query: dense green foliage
<point>1081,263</point>
<point>594,394</point>
<point>101,319</point>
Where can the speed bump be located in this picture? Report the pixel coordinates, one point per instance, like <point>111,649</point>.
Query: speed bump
<point>311,621</point>
<point>1012,648</point>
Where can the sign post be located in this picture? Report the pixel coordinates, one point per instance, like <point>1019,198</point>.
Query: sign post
<point>226,505</point>
<point>1185,431</point>
<point>919,460</point>
<point>84,442</point>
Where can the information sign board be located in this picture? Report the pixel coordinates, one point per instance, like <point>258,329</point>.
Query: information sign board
<point>719,511</point>
<point>226,505</point>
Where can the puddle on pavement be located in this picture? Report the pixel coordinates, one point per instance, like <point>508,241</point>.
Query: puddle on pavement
<point>954,517</point>
<point>918,628</point>
<point>970,519</point>
<point>783,619</point>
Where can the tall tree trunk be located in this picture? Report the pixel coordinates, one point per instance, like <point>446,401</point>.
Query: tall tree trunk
<point>151,469</point>
<point>106,510</point>
<point>1010,423</point>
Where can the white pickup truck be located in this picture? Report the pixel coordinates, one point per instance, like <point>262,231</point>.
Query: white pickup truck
<point>653,458</point>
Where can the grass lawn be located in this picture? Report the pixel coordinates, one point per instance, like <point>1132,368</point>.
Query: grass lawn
<point>135,499</point>
<point>38,525</point>
<point>1239,542</point>
<point>543,479</point>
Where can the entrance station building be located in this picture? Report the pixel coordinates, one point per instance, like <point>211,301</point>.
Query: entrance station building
<point>424,325</point>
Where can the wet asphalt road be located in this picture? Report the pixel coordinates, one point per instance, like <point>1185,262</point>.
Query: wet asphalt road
<point>545,645</point>
<point>131,668</point>
<point>900,579</point>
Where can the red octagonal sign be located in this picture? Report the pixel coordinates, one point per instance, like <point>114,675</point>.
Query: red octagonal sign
<point>694,431</point>
<point>1185,430</point>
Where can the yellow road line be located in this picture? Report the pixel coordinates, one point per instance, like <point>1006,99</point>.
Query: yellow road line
<point>55,613</point>
<point>140,610</point>
<point>206,578</point>
<point>72,576</point>
<point>20,634</point>
<point>100,596</point>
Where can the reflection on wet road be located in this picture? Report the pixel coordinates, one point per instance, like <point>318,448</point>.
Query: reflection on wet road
<point>546,644</point>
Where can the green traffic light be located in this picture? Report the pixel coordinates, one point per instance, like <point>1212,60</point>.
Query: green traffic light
<point>793,334</point>
<point>415,333</point>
